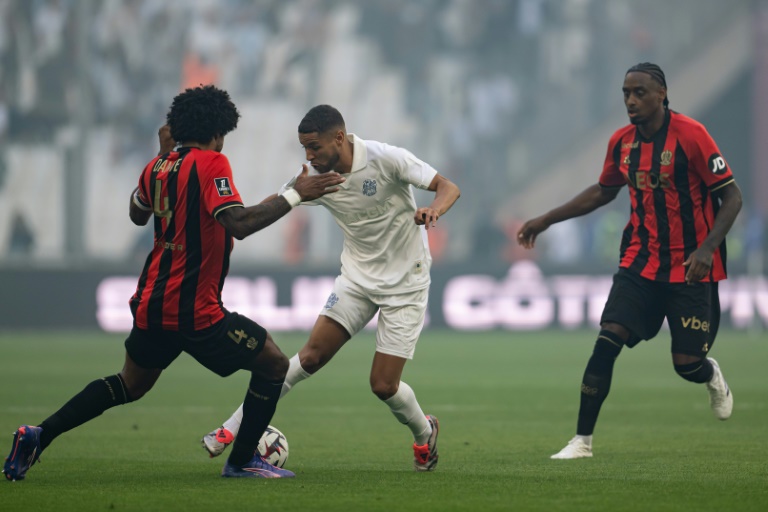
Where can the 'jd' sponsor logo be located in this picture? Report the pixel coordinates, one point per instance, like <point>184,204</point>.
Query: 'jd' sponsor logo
<point>695,324</point>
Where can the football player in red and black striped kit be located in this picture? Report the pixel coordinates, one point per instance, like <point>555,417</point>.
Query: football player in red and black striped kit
<point>684,200</point>
<point>177,307</point>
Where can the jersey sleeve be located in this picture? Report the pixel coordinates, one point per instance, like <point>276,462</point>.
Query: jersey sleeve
<point>140,202</point>
<point>288,184</point>
<point>611,176</point>
<point>217,188</point>
<point>411,169</point>
<point>706,160</point>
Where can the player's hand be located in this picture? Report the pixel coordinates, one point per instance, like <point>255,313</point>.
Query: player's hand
<point>166,141</point>
<point>426,217</point>
<point>312,187</point>
<point>698,265</point>
<point>526,235</point>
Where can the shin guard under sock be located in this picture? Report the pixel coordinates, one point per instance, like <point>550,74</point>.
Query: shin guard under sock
<point>597,380</point>
<point>258,408</point>
<point>94,399</point>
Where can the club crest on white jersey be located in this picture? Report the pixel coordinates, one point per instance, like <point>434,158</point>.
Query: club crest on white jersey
<point>369,187</point>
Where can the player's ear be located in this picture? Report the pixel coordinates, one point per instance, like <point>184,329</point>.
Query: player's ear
<point>340,136</point>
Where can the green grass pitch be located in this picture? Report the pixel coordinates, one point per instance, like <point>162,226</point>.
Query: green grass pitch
<point>506,401</point>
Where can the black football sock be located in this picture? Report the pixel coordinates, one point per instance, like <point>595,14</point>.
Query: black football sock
<point>597,380</point>
<point>94,399</point>
<point>258,408</point>
<point>698,372</point>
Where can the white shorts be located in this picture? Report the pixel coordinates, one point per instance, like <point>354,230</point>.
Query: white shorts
<point>401,315</point>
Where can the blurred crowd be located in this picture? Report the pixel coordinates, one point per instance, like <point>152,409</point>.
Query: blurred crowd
<point>488,91</point>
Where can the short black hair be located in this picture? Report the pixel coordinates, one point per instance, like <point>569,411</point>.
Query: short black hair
<point>202,113</point>
<point>320,119</point>
<point>654,71</point>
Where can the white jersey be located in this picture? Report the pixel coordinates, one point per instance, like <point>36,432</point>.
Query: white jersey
<point>384,250</point>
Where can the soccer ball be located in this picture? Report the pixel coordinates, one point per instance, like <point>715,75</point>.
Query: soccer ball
<point>273,446</point>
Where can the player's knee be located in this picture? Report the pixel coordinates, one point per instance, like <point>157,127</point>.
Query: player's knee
<point>699,371</point>
<point>613,329</point>
<point>607,348</point>
<point>136,387</point>
<point>270,364</point>
<point>274,364</point>
<point>137,380</point>
<point>383,389</point>
<point>278,369</point>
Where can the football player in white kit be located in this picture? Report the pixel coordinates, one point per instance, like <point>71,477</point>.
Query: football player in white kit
<point>385,266</point>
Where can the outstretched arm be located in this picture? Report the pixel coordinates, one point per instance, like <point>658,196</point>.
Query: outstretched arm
<point>590,199</point>
<point>446,193</point>
<point>242,222</point>
<point>699,262</point>
<point>268,198</point>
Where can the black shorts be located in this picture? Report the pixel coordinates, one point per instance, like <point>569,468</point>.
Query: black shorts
<point>225,347</point>
<point>640,305</point>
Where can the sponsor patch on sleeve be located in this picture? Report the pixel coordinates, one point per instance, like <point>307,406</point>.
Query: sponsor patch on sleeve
<point>222,186</point>
<point>717,164</point>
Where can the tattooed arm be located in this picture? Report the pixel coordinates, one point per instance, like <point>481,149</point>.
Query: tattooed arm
<point>242,222</point>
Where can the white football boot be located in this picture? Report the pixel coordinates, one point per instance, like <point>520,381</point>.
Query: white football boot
<point>425,456</point>
<point>575,449</point>
<point>217,441</point>
<point>720,396</point>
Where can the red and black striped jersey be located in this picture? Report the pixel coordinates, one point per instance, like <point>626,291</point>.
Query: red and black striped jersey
<point>180,286</point>
<point>671,178</point>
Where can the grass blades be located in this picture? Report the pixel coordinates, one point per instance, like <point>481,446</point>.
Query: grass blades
<point>506,402</point>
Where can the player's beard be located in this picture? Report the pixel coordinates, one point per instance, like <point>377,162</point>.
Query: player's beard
<point>328,167</point>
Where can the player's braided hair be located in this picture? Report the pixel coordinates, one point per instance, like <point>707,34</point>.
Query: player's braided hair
<point>320,119</point>
<point>655,72</point>
<point>202,113</point>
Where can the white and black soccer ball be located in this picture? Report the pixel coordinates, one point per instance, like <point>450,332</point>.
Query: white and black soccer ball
<point>273,446</point>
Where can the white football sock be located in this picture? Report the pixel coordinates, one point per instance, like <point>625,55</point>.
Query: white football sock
<point>406,409</point>
<point>587,439</point>
<point>233,423</point>
<point>295,375</point>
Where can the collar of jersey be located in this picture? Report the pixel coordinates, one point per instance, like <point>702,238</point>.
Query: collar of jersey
<point>661,133</point>
<point>360,153</point>
<point>359,157</point>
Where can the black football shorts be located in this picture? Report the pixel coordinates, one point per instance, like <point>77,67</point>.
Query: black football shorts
<point>641,305</point>
<point>225,347</point>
